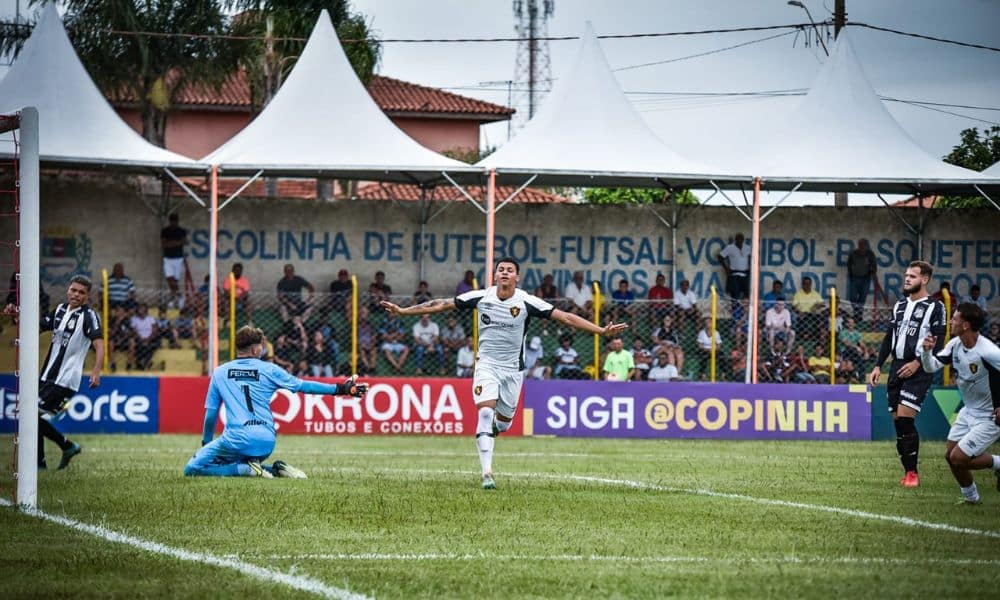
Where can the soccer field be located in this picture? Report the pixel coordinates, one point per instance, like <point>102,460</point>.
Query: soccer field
<point>401,517</point>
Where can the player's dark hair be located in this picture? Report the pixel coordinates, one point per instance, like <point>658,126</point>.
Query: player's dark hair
<point>971,314</point>
<point>924,266</point>
<point>248,336</point>
<point>82,280</point>
<point>507,259</point>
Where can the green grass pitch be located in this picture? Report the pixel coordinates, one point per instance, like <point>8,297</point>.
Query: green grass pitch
<point>403,517</point>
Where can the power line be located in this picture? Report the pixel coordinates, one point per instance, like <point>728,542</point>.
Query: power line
<point>925,37</point>
<point>700,54</point>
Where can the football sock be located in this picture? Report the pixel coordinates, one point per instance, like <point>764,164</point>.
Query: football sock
<point>484,439</point>
<point>996,462</point>
<point>970,493</point>
<point>230,470</point>
<point>907,442</point>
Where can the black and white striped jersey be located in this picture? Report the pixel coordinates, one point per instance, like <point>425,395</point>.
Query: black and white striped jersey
<point>912,321</point>
<point>977,370</point>
<point>72,333</point>
<point>503,324</point>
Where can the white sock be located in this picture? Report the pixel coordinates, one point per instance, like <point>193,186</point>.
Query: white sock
<point>996,462</point>
<point>971,493</point>
<point>484,439</point>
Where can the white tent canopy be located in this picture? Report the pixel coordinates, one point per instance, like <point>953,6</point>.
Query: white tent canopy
<point>77,126</point>
<point>588,133</point>
<point>842,138</point>
<point>323,122</point>
<point>993,171</point>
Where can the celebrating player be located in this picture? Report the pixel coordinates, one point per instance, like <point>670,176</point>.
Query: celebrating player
<point>504,311</point>
<point>976,361</point>
<point>246,385</point>
<point>913,319</point>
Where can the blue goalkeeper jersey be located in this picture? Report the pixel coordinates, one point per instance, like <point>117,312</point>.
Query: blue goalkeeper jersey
<point>246,386</point>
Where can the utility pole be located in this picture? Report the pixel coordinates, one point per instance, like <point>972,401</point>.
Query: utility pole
<point>533,67</point>
<point>839,20</point>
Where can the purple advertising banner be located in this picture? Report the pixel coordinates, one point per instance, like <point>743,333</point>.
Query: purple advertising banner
<point>737,411</point>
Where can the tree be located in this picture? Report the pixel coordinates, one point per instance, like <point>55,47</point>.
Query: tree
<point>977,152</point>
<point>279,28</point>
<point>637,196</point>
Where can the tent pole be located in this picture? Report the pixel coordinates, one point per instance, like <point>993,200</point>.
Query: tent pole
<point>213,278</point>
<point>751,376</point>
<point>491,199</point>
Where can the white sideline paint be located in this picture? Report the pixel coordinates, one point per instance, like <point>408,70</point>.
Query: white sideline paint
<point>713,494</point>
<point>298,582</point>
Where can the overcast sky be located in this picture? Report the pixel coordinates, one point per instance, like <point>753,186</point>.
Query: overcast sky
<point>897,66</point>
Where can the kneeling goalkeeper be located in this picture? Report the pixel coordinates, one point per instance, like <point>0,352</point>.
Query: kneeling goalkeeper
<point>246,386</point>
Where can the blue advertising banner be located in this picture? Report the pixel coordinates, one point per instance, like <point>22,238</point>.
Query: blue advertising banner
<point>697,410</point>
<point>118,405</point>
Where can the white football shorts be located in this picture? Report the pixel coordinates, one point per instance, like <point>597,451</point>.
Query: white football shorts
<point>495,383</point>
<point>975,433</point>
<point>173,268</point>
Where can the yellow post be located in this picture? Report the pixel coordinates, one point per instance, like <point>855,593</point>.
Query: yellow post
<point>354,324</point>
<point>597,338</point>
<point>946,377</point>
<point>104,318</point>
<point>715,316</point>
<point>833,335</point>
<point>232,316</point>
<point>475,324</point>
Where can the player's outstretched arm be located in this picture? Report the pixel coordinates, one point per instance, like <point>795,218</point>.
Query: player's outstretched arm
<point>929,359</point>
<point>350,387</point>
<point>578,322</point>
<point>424,308</point>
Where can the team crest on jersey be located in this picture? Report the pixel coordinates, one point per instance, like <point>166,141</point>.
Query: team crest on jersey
<point>485,318</point>
<point>918,312</point>
<point>478,390</point>
<point>974,368</point>
<point>515,310</point>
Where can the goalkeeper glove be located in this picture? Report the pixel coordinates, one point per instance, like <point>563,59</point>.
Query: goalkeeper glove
<point>352,387</point>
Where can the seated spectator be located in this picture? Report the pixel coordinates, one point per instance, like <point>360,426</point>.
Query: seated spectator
<point>427,339</point>
<point>165,329</point>
<point>847,372</point>
<point>939,295</point>
<point>367,346</point>
<point>147,336</point>
<point>341,289</point>
<point>668,340</point>
<point>738,360</point>
<point>322,355</point>
<point>268,348</point>
<point>378,291</point>
<point>286,355</point>
<point>567,360</point>
<point>776,368</point>
<point>579,296</point>
<point>201,335</point>
<point>452,337</point>
<point>819,365</point>
<point>849,340</point>
<point>663,369</point>
<point>423,293</point>
<point>772,297</point>
<point>705,344</point>
<point>808,306</point>
<point>778,324</point>
<point>685,304</point>
<point>660,295</point>
<point>642,358</point>
<point>994,334</point>
<point>975,297</point>
<point>465,360</point>
<point>467,283</point>
<point>295,331</point>
<point>184,324</point>
<point>242,291</point>
<point>290,300</point>
<point>533,366</point>
<point>393,348</point>
<point>121,336</point>
<point>121,289</point>
<point>622,300</point>
<point>547,290</point>
<point>302,369</point>
<point>800,363</point>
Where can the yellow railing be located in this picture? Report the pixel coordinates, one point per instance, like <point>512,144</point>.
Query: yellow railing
<point>715,316</point>
<point>597,337</point>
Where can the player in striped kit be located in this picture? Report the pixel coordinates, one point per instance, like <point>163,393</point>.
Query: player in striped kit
<point>976,362</point>
<point>504,311</point>
<point>75,327</point>
<point>913,318</point>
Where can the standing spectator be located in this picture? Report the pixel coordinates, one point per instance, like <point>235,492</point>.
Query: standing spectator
<point>367,348</point>
<point>286,355</point>
<point>618,364</point>
<point>467,284</point>
<point>642,358</point>
<point>581,299</point>
<point>705,344</point>
<point>393,348</point>
<point>452,336</point>
<point>533,366</point>
<point>778,323</point>
<point>379,290</point>
<point>147,336</point>
<point>547,290</point>
<point>976,297</point>
<point>807,303</point>
<point>321,355</point>
<point>423,293</point>
<point>290,300</point>
<point>172,240</point>
<point>121,336</point>
<point>685,303</point>
<point>861,268</point>
<point>623,299</point>
<point>121,288</point>
<point>776,293</point>
<point>669,342</point>
<point>340,291</point>
<point>466,360</point>
<point>735,259</point>
<point>427,338</point>
<point>242,290</point>
<point>567,365</point>
<point>660,294</point>
<point>43,298</point>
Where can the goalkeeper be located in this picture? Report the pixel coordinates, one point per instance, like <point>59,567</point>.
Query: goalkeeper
<point>246,386</point>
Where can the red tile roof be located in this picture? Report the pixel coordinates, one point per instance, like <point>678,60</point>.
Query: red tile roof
<point>914,202</point>
<point>393,96</point>
<point>411,193</point>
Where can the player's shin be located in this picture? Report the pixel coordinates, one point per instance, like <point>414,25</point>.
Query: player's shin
<point>907,442</point>
<point>485,439</point>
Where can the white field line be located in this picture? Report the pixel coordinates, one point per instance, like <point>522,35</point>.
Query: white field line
<point>641,485</point>
<point>419,453</point>
<point>794,560</point>
<point>298,582</point>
